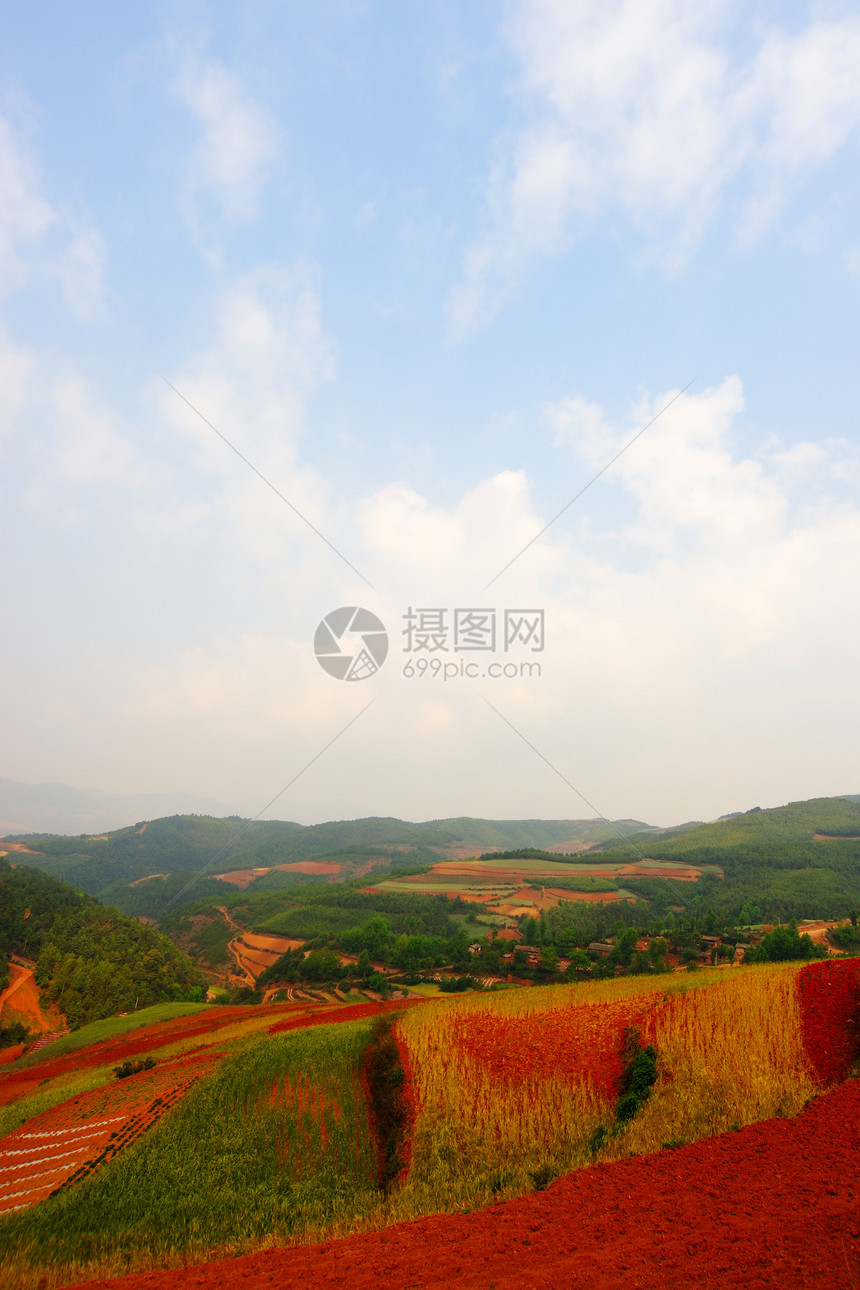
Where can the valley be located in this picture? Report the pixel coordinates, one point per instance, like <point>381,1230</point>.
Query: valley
<point>398,1037</point>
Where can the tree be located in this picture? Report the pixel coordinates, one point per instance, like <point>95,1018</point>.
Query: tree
<point>579,965</point>
<point>784,944</point>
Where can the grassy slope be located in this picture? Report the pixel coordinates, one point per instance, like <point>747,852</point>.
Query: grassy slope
<point>274,1144</point>
<point>110,1028</point>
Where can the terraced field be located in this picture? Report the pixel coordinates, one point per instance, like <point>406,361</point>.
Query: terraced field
<point>254,1128</point>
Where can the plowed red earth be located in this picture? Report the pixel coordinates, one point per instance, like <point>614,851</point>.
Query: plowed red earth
<point>18,1083</point>
<point>137,1043</point>
<point>830,1006</point>
<point>50,1148</point>
<point>583,1039</point>
<point>352,1012</point>
<point>772,1205</point>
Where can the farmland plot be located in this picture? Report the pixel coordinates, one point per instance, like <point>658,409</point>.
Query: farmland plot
<point>272,1146</point>
<point>518,1088</point>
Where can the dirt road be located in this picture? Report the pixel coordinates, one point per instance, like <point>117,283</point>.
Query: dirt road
<point>20,1001</point>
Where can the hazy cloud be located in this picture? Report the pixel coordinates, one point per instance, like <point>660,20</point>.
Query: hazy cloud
<point>39,240</point>
<point>238,138</point>
<point>660,114</point>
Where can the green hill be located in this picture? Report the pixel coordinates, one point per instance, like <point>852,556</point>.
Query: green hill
<point>800,860</point>
<point>92,961</point>
<point>162,855</point>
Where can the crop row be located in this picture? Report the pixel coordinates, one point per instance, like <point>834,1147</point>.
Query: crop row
<point>510,1089</point>
<point>274,1143</point>
<point>72,1140</point>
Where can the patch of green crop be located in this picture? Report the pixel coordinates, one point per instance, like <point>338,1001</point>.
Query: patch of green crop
<point>51,1094</point>
<point>273,1145</point>
<point>97,1031</point>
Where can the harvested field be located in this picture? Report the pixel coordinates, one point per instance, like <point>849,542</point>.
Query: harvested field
<point>657,869</point>
<point>276,945</point>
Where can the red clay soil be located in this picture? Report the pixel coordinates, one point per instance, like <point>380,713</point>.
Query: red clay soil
<point>774,1205</point>
<point>830,1007</point>
<point>17,1083</point>
<point>22,999</point>
<point>352,1012</point>
<point>580,1041</point>
<point>80,1133</point>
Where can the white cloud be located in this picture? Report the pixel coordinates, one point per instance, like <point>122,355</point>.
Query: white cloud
<point>88,446</point>
<point>701,634</point>
<point>81,272</point>
<point>17,367</point>
<point>25,215</point>
<point>238,139</point>
<point>38,240</point>
<point>268,353</point>
<point>422,551</point>
<point>648,111</point>
<point>682,470</point>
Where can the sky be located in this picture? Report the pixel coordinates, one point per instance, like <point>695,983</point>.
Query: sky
<point>305,307</point>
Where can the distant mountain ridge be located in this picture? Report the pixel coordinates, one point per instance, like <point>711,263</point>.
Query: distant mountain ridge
<point>58,808</point>
<point>176,848</point>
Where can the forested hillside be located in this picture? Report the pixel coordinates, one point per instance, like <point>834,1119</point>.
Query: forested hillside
<point>796,861</point>
<point>168,851</point>
<point>92,961</point>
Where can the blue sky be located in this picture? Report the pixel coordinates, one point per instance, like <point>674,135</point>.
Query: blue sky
<point>428,267</point>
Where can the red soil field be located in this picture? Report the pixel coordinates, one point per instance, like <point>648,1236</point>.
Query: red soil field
<point>830,1006</point>
<point>311,866</point>
<point>46,1151</point>
<point>771,1205</point>
<point>352,1012</point>
<point>774,1205</point>
<point>21,1001</point>
<point>243,877</point>
<point>550,896</point>
<point>136,1043</point>
<point>276,945</point>
<point>581,1039</point>
<point>653,870</point>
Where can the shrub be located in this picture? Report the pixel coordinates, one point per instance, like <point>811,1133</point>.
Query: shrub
<point>16,1033</point>
<point>639,1075</point>
<point>133,1068</point>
